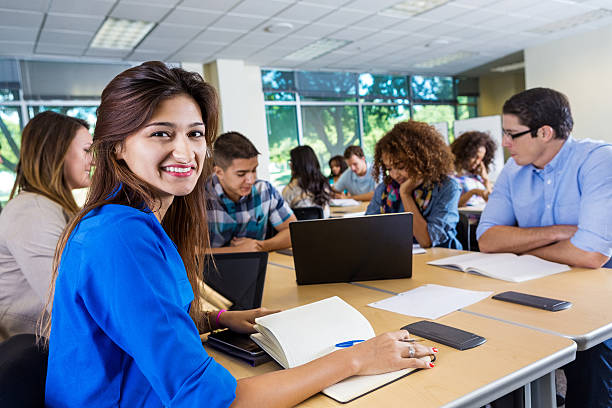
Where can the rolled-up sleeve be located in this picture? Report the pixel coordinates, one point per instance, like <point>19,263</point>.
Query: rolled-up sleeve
<point>594,232</point>
<point>499,210</point>
<point>279,209</point>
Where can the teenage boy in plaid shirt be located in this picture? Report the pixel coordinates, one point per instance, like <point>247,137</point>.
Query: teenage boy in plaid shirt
<point>241,209</point>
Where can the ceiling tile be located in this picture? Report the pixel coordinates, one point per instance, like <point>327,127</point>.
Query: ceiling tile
<point>210,5</point>
<point>167,44</point>
<point>71,38</point>
<point>195,57</point>
<point>510,6</point>
<point>351,34</point>
<point>89,24</point>
<point>236,52</point>
<point>148,55</point>
<point>21,19</point>
<point>260,8</point>
<point>178,31</point>
<point>317,30</point>
<point>18,34</point>
<point>343,17</point>
<point>59,49</point>
<point>238,22</point>
<point>204,48</point>
<point>379,21</point>
<point>412,25</point>
<point>220,36</point>
<point>294,42</point>
<point>192,17</point>
<point>16,48</point>
<point>445,12</point>
<point>371,6</point>
<point>103,52</point>
<point>305,12</point>
<point>90,7</point>
<point>140,11</point>
<point>259,39</point>
<point>27,5</point>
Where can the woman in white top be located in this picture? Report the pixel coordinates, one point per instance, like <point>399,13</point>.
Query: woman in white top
<point>54,159</point>
<point>308,186</point>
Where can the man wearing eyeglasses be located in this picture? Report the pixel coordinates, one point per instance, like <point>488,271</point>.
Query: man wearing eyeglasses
<point>552,200</point>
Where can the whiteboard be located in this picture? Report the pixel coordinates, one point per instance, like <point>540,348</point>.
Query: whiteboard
<point>487,124</point>
<point>442,128</point>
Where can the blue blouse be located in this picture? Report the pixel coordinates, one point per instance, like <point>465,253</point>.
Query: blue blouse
<point>121,334</point>
<point>442,213</point>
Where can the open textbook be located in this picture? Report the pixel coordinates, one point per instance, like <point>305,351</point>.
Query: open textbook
<point>508,267</point>
<point>299,335</point>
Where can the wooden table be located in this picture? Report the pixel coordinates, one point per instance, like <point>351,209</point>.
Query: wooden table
<point>511,358</point>
<point>337,212</point>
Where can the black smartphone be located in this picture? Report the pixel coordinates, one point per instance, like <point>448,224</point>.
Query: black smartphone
<point>553,305</point>
<point>447,335</point>
<point>237,341</point>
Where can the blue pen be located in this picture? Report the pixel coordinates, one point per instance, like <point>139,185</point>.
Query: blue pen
<point>348,343</point>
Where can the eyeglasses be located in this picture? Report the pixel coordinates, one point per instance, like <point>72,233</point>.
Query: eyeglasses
<point>515,135</point>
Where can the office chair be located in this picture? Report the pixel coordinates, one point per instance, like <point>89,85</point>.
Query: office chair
<point>308,213</point>
<point>23,372</point>
<point>463,231</point>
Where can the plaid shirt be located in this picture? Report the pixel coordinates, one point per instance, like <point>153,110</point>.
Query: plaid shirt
<point>248,217</point>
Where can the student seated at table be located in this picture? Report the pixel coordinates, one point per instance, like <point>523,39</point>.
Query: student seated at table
<point>416,163</point>
<point>552,200</point>
<point>120,330</point>
<point>474,151</point>
<point>241,208</point>
<point>337,166</point>
<point>54,159</point>
<point>308,187</point>
<point>357,182</point>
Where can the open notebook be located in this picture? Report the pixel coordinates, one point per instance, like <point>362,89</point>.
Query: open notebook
<point>508,267</point>
<point>302,334</point>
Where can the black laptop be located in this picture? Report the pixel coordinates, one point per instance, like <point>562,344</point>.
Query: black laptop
<point>238,276</point>
<point>352,249</point>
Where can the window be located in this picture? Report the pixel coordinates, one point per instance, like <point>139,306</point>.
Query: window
<point>10,140</point>
<point>87,113</point>
<point>330,111</point>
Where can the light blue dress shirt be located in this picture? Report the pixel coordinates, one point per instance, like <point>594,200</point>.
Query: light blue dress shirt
<point>441,214</point>
<point>121,335</point>
<point>355,184</point>
<point>575,188</point>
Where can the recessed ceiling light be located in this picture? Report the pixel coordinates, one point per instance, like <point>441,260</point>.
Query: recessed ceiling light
<point>121,34</point>
<point>411,8</point>
<point>316,49</point>
<point>447,59</point>
<point>509,67</point>
<point>437,42</point>
<point>279,28</point>
<point>572,21</point>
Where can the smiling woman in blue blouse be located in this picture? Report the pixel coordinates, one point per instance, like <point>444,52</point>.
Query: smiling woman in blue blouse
<point>416,164</point>
<point>121,333</point>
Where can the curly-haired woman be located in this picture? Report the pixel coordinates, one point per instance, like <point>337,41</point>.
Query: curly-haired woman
<point>474,152</point>
<point>415,165</point>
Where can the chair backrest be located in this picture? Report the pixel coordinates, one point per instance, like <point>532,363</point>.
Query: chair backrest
<point>308,213</point>
<point>23,372</point>
<point>466,233</point>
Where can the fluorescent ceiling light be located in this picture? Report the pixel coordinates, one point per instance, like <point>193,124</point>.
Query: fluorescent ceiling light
<point>411,8</point>
<point>120,34</point>
<point>509,67</point>
<point>316,49</point>
<point>447,59</point>
<point>573,21</point>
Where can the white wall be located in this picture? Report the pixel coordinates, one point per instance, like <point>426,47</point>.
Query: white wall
<point>580,66</point>
<point>242,104</point>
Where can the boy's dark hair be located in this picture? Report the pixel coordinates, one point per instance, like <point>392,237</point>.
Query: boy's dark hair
<point>353,150</point>
<point>539,107</point>
<point>230,146</point>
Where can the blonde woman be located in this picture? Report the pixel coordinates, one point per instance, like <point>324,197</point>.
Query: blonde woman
<point>54,160</point>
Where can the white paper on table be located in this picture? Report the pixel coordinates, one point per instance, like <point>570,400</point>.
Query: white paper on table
<point>343,202</point>
<point>355,214</point>
<point>430,301</point>
<point>417,249</point>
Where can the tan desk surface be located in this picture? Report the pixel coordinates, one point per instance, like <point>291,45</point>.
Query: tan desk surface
<point>340,211</point>
<point>280,259</point>
<point>511,357</point>
<point>588,321</point>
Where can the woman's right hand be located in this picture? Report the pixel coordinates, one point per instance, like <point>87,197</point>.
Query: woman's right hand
<point>386,352</point>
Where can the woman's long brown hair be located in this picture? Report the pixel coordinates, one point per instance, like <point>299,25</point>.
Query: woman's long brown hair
<point>127,104</point>
<point>44,143</point>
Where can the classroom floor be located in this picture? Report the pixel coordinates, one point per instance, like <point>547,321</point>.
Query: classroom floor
<point>561,384</point>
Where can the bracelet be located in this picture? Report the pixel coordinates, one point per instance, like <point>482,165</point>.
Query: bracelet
<point>218,316</point>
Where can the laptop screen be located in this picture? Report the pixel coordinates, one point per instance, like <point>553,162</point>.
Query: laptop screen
<point>238,276</point>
